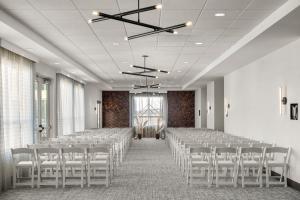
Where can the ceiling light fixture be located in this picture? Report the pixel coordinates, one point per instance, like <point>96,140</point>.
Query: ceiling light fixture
<point>120,17</point>
<point>198,43</point>
<point>219,14</point>
<point>185,62</point>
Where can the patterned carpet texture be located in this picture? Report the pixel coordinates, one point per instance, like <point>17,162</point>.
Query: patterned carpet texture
<point>149,172</point>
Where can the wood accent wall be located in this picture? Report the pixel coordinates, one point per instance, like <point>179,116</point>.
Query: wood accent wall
<point>181,108</point>
<point>115,109</point>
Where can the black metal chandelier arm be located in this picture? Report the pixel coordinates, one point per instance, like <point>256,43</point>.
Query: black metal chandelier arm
<point>150,69</point>
<point>126,13</point>
<point>138,74</point>
<point>157,31</point>
<point>156,28</point>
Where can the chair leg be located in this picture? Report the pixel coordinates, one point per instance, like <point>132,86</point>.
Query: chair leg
<point>285,175</point>
<point>107,181</point>
<point>64,176</point>
<point>89,176</point>
<point>217,176</point>
<point>32,177</point>
<point>260,177</point>
<point>209,176</point>
<point>14,177</point>
<point>56,178</point>
<point>243,176</point>
<point>81,177</point>
<point>267,177</point>
<point>39,177</point>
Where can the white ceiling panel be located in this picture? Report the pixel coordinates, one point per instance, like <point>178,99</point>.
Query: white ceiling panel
<point>95,4</point>
<point>52,5</point>
<point>227,4</point>
<point>183,5</point>
<point>101,47</point>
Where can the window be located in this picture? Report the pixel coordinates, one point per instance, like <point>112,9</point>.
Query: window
<point>70,105</point>
<point>148,112</point>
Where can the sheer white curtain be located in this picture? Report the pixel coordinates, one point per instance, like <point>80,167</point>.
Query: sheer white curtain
<point>16,106</point>
<point>78,107</point>
<point>70,106</point>
<point>64,105</point>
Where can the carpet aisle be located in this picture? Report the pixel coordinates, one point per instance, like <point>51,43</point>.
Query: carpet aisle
<point>149,172</point>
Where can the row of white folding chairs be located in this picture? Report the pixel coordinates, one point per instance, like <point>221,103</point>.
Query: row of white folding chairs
<point>239,162</point>
<point>53,160</point>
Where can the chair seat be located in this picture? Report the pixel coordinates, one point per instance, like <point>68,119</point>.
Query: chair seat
<point>199,162</point>
<point>226,162</point>
<point>250,163</point>
<point>73,163</point>
<point>98,162</point>
<point>101,156</point>
<point>24,164</point>
<point>272,163</point>
<point>49,163</point>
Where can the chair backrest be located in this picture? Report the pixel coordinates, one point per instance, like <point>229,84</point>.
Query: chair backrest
<point>261,145</point>
<point>22,151</point>
<point>98,149</point>
<point>200,150</point>
<point>277,150</point>
<point>252,150</point>
<point>47,150</point>
<point>72,150</point>
<point>220,150</point>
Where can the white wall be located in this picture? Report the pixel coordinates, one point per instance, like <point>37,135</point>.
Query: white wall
<point>203,107</point>
<point>253,94</point>
<point>197,108</point>
<point>210,105</point>
<point>215,104</point>
<point>92,95</point>
<point>49,72</point>
<point>219,104</point>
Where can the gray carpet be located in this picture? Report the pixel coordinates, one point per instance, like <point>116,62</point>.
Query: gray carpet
<point>149,172</point>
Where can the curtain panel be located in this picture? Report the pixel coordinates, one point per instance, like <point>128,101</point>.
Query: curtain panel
<point>70,106</point>
<point>16,109</point>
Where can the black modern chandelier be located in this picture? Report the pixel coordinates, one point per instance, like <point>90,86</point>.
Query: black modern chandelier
<point>145,73</point>
<point>120,17</point>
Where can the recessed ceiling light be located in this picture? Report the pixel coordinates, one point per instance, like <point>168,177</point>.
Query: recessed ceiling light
<point>220,14</point>
<point>90,21</point>
<point>125,38</point>
<point>198,43</point>
<point>185,62</point>
<point>175,32</point>
<point>115,43</point>
<point>120,72</point>
<point>56,63</point>
<point>179,71</point>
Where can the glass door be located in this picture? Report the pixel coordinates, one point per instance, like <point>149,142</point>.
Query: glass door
<point>42,115</point>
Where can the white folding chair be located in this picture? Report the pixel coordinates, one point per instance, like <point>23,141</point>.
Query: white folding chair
<point>52,163</point>
<point>200,160</point>
<point>277,157</point>
<point>73,158</point>
<point>226,160</point>
<point>251,158</point>
<point>98,160</point>
<point>23,158</point>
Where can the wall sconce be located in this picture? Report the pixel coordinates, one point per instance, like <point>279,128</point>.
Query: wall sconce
<point>282,100</point>
<point>227,107</point>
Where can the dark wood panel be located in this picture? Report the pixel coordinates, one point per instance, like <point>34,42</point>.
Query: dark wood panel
<point>115,109</point>
<point>181,109</point>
